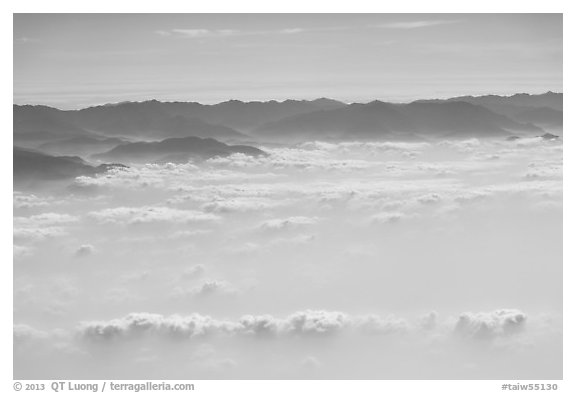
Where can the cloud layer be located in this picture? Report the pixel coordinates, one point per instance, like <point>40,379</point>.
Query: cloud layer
<point>220,254</point>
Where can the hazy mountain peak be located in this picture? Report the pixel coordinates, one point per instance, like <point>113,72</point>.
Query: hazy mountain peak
<point>175,150</point>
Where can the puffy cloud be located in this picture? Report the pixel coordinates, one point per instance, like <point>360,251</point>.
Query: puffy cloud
<point>429,321</point>
<point>429,198</point>
<point>140,324</point>
<point>45,219</point>
<point>241,205</point>
<point>25,201</point>
<point>24,333</point>
<point>375,324</point>
<point>490,325</point>
<point>21,251</point>
<point>164,177</point>
<point>194,272</point>
<point>150,214</point>
<point>41,226</point>
<point>387,217</point>
<point>287,223</point>
<point>84,250</point>
<point>205,289</point>
<point>213,286</point>
<point>472,196</point>
<point>547,170</point>
<point>302,323</point>
<point>497,330</point>
<point>293,158</point>
<point>316,322</point>
<point>35,234</point>
<point>188,234</point>
<point>464,146</point>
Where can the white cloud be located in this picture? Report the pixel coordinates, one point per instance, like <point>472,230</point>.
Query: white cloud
<point>150,214</point>
<point>387,217</point>
<point>309,322</point>
<point>194,271</point>
<point>141,324</point>
<point>25,201</point>
<point>23,333</point>
<point>464,146</point>
<point>496,324</point>
<point>490,325</point>
<point>174,177</point>
<point>36,234</point>
<point>207,288</point>
<point>211,287</point>
<point>21,251</point>
<point>427,199</point>
<point>44,219</point>
<point>287,223</point>
<point>370,147</point>
<point>544,170</point>
<point>294,158</point>
<point>85,250</point>
<point>429,321</point>
<point>374,324</point>
<point>241,205</point>
<point>221,33</point>
<point>417,24</point>
<point>41,226</point>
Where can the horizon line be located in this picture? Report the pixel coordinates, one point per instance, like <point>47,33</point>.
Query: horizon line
<point>117,103</point>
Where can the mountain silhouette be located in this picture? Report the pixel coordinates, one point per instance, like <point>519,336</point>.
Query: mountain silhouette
<point>174,150</point>
<point>99,128</point>
<point>544,110</point>
<point>43,123</point>
<point>244,116</point>
<point>543,117</point>
<point>382,120</point>
<point>29,165</point>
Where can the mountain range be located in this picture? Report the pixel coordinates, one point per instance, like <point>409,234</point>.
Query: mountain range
<point>544,110</point>
<point>382,120</point>
<point>30,165</point>
<point>174,150</point>
<point>237,121</point>
<point>48,141</point>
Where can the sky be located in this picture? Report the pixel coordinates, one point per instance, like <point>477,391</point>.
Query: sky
<point>78,60</point>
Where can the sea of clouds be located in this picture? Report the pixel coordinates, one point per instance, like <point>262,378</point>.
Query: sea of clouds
<point>369,260</point>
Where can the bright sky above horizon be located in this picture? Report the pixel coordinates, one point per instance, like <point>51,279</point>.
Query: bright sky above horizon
<point>77,60</point>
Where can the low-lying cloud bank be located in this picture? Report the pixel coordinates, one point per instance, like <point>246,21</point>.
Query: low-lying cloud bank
<point>319,344</point>
<point>309,323</point>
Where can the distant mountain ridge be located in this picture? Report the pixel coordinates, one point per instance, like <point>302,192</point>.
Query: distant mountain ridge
<point>239,122</point>
<point>549,100</point>
<point>544,110</point>
<point>175,150</point>
<point>155,120</point>
<point>381,120</point>
<point>30,165</point>
<point>138,120</point>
